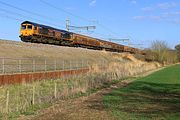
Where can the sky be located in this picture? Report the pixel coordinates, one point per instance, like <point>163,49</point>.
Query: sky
<point>141,21</point>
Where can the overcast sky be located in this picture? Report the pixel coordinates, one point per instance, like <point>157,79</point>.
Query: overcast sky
<point>142,21</point>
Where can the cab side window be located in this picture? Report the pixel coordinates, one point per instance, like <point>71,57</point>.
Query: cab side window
<point>23,27</point>
<point>66,35</point>
<point>29,27</point>
<point>40,30</point>
<point>35,28</point>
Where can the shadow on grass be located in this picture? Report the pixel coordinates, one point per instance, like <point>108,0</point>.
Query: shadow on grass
<point>145,100</point>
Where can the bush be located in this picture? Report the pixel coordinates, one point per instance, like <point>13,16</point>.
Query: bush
<point>178,51</point>
<point>162,53</point>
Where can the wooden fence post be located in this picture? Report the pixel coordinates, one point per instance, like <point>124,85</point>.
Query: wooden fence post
<point>17,99</point>
<point>70,65</point>
<point>55,90</point>
<point>55,65</point>
<point>34,65</point>
<point>63,64</point>
<point>87,64</point>
<point>77,65</point>
<point>7,102</point>
<point>45,65</point>
<point>33,99</point>
<point>3,66</point>
<point>20,66</point>
<point>82,65</point>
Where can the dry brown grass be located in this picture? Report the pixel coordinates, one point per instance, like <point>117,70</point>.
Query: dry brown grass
<point>91,108</point>
<point>44,90</point>
<point>16,49</point>
<point>121,65</point>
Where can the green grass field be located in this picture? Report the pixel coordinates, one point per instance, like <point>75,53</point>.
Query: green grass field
<point>156,96</point>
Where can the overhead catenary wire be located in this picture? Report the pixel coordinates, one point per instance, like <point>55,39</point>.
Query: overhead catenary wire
<point>24,16</point>
<point>42,16</point>
<point>67,12</point>
<point>74,15</point>
<point>28,12</point>
<point>10,17</point>
<point>8,13</point>
<point>24,10</point>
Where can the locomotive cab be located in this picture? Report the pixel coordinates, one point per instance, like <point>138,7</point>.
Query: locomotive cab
<point>27,29</point>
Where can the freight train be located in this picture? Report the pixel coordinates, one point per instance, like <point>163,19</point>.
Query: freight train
<point>37,33</point>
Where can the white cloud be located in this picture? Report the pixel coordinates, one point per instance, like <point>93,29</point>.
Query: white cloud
<point>147,8</point>
<point>139,17</point>
<point>70,8</point>
<point>92,3</point>
<point>167,5</point>
<point>176,21</point>
<point>170,14</point>
<point>150,17</point>
<point>165,16</point>
<point>133,2</point>
<point>154,17</point>
<point>162,6</point>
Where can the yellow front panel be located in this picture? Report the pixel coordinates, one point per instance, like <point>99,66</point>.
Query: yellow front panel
<point>26,30</point>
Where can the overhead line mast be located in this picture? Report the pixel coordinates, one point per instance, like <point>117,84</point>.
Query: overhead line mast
<point>74,15</point>
<point>116,39</point>
<point>70,27</point>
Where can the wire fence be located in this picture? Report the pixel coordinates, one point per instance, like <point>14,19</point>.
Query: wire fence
<point>24,65</point>
<point>26,98</point>
<point>17,99</point>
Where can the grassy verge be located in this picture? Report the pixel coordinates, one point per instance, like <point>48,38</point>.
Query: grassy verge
<point>156,96</point>
<point>27,99</point>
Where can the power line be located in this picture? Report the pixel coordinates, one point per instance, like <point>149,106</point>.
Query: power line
<point>29,12</point>
<point>36,14</point>
<point>82,27</point>
<point>18,19</point>
<point>77,16</point>
<point>106,28</point>
<point>118,39</point>
<point>10,17</point>
<point>14,13</point>
<point>42,16</point>
<point>58,8</point>
<point>70,27</point>
<point>24,10</point>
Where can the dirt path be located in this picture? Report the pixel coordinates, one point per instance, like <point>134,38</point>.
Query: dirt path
<point>83,108</point>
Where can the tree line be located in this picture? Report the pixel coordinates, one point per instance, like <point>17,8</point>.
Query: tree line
<point>161,52</point>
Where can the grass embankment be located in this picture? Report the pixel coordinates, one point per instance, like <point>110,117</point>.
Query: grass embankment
<point>52,52</point>
<point>27,99</point>
<point>156,96</point>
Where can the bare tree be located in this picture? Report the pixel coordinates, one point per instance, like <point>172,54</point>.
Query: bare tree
<point>160,50</point>
<point>178,51</point>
